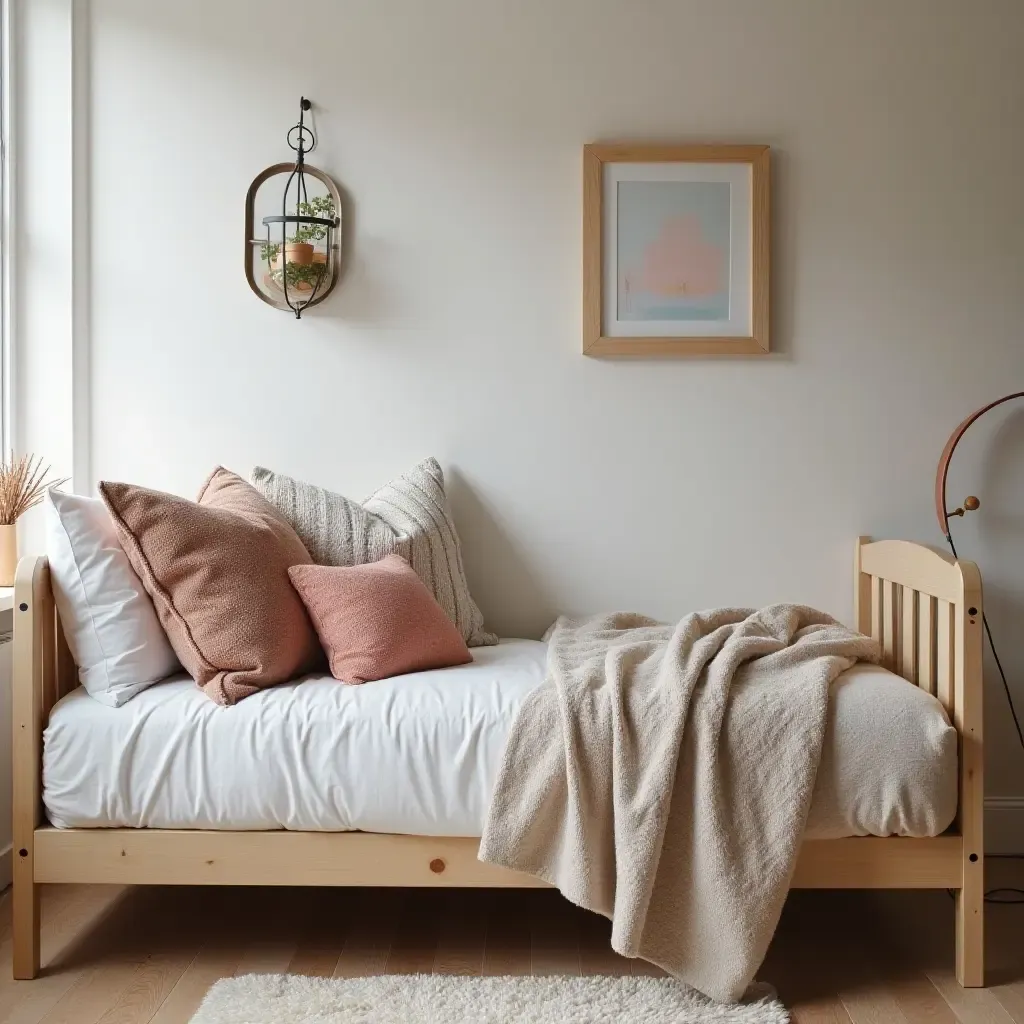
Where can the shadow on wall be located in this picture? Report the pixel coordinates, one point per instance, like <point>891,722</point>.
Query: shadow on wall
<point>373,280</point>
<point>347,235</point>
<point>999,550</point>
<point>358,303</point>
<point>513,600</point>
<point>1002,469</point>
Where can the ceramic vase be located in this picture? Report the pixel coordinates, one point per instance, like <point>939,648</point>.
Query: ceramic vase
<point>8,554</point>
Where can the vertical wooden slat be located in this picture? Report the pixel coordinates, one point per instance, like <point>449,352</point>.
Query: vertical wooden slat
<point>926,643</point>
<point>897,628</point>
<point>944,654</point>
<point>889,625</point>
<point>862,596</point>
<point>876,609</point>
<point>908,635</point>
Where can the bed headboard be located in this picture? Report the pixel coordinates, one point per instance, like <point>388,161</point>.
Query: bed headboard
<point>41,652</point>
<point>924,609</point>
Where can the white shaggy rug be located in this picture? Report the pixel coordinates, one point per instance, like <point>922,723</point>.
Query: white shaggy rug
<point>457,999</point>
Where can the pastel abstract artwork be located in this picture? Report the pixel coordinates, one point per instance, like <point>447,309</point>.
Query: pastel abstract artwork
<point>676,249</point>
<point>673,250</point>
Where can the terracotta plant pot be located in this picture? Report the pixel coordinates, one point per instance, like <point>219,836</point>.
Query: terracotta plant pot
<point>295,252</point>
<point>8,555</point>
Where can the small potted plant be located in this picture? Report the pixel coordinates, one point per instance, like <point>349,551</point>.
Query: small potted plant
<point>298,263</point>
<point>23,482</point>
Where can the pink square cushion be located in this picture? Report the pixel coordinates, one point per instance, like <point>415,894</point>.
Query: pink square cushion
<point>377,620</point>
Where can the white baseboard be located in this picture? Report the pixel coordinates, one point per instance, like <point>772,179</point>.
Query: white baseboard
<point>1004,824</point>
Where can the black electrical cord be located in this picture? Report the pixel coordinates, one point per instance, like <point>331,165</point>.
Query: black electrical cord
<point>997,895</point>
<point>1002,894</point>
<point>995,656</point>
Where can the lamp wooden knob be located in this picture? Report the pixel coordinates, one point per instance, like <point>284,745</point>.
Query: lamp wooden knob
<point>971,504</point>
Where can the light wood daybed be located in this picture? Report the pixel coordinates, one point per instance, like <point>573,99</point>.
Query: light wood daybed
<point>922,606</point>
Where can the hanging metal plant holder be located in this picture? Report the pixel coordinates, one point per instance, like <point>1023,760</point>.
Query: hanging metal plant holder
<point>297,262</point>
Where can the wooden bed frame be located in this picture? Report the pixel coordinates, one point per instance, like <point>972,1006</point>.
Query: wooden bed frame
<point>922,606</point>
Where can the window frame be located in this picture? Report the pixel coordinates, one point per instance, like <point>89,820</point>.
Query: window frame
<point>7,74</point>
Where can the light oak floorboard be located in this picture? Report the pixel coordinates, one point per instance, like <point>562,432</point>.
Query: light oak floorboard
<point>800,965</point>
<point>414,942</point>
<point>209,966</point>
<point>96,992</point>
<point>462,935</point>
<point>322,936</point>
<point>148,956</point>
<point>971,1005</point>
<point>596,953</point>
<point>273,938</point>
<point>507,948</point>
<point>367,948</point>
<point>116,947</point>
<point>1011,998</point>
<point>64,953</point>
<point>554,935</point>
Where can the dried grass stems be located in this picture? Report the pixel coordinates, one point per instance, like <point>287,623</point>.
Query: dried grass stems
<point>23,482</point>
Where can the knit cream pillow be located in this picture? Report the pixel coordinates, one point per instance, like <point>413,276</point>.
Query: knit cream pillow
<point>408,516</point>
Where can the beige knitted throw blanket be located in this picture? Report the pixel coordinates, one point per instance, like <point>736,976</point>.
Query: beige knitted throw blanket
<point>662,776</point>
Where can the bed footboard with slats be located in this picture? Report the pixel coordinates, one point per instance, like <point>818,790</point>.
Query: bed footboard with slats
<point>925,610</point>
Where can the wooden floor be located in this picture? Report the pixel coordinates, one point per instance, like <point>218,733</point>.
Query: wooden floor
<point>127,956</point>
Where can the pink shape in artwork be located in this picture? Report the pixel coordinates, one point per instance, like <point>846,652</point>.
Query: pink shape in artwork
<point>680,262</point>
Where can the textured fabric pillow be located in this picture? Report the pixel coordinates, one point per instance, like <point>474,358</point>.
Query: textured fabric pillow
<point>377,620</point>
<point>217,571</point>
<point>109,621</point>
<point>408,516</point>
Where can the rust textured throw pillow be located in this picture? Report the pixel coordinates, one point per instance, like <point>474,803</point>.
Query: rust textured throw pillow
<point>217,570</point>
<point>377,620</point>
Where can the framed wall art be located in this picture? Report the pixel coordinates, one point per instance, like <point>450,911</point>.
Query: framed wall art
<point>675,250</point>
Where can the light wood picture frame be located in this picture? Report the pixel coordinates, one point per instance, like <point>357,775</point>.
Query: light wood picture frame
<point>676,250</point>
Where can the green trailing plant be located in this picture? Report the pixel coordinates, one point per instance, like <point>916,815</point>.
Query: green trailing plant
<point>298,274</point>
<point>318,206</point>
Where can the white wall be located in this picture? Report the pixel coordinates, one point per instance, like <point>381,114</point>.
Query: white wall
<point>456,128</point>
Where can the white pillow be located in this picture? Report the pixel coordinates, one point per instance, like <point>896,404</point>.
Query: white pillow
<point>110,623</point>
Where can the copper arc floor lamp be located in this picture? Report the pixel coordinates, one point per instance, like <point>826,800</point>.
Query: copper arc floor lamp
<point>971,504</point>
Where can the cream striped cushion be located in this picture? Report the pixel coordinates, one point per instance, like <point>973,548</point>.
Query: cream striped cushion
<point>408,516</point>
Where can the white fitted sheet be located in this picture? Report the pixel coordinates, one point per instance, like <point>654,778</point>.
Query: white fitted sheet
<point>418,754</point>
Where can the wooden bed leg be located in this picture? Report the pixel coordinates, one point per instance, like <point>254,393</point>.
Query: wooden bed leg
<point>32,679</point>
<point>968,718</point>
<point>970,933</point>
<point>25,928</point>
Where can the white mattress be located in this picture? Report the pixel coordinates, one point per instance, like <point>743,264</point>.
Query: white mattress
<point>418,754</point>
